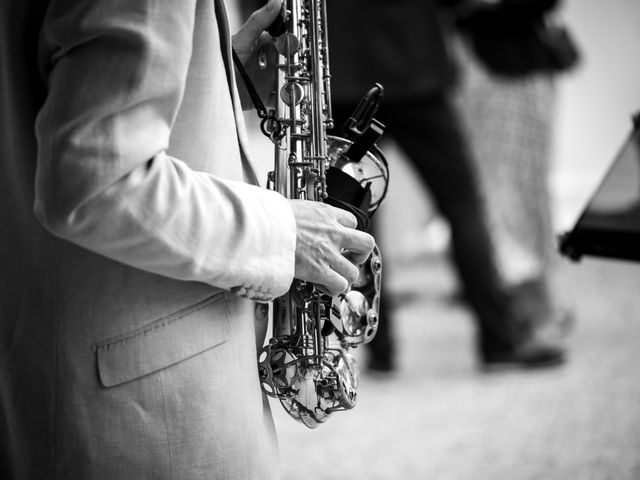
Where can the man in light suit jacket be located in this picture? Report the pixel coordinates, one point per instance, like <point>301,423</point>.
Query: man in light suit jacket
<point>134,243</point>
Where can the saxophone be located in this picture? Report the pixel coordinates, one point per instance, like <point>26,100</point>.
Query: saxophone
<point>307,363</point>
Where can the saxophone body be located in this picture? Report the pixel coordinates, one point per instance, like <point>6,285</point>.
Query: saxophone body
<point>308,364</point>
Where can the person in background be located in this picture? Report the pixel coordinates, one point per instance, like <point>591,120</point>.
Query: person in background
<point>134,245</point>
<point>509,61</point>
<point>402,45</point>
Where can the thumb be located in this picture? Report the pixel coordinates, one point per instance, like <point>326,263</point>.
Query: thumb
<point>261,19</point>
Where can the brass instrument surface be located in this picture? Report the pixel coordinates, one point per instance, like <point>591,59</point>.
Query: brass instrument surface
<point>307,364</point>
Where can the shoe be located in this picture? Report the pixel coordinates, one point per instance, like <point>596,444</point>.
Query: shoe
<point>531,355</point>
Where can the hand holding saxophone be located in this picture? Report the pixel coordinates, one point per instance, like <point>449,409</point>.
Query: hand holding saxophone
<point>328,246</point>
<point>251,35</point>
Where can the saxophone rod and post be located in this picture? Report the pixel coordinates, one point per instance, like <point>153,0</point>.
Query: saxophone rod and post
<point>307,363</point>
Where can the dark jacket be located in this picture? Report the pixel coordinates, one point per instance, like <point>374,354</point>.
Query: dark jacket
<point>398,43</point>
<point>515,37</point>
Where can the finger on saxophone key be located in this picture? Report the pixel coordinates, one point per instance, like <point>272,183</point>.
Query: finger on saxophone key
<point>323,233</point>
<point>340,272</point>
<point>358,247</point>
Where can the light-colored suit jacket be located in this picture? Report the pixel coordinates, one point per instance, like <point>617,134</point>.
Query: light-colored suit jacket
<point>130,228</point>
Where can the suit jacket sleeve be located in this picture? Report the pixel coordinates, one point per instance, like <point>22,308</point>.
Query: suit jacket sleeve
<point>116,72</point>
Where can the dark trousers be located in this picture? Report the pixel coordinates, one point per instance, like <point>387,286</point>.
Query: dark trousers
<point>429,133</point>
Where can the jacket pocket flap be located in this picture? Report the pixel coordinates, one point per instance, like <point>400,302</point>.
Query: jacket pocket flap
<point>164,342</point>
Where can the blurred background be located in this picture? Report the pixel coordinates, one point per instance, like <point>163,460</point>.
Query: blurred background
<point>438,416</point>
